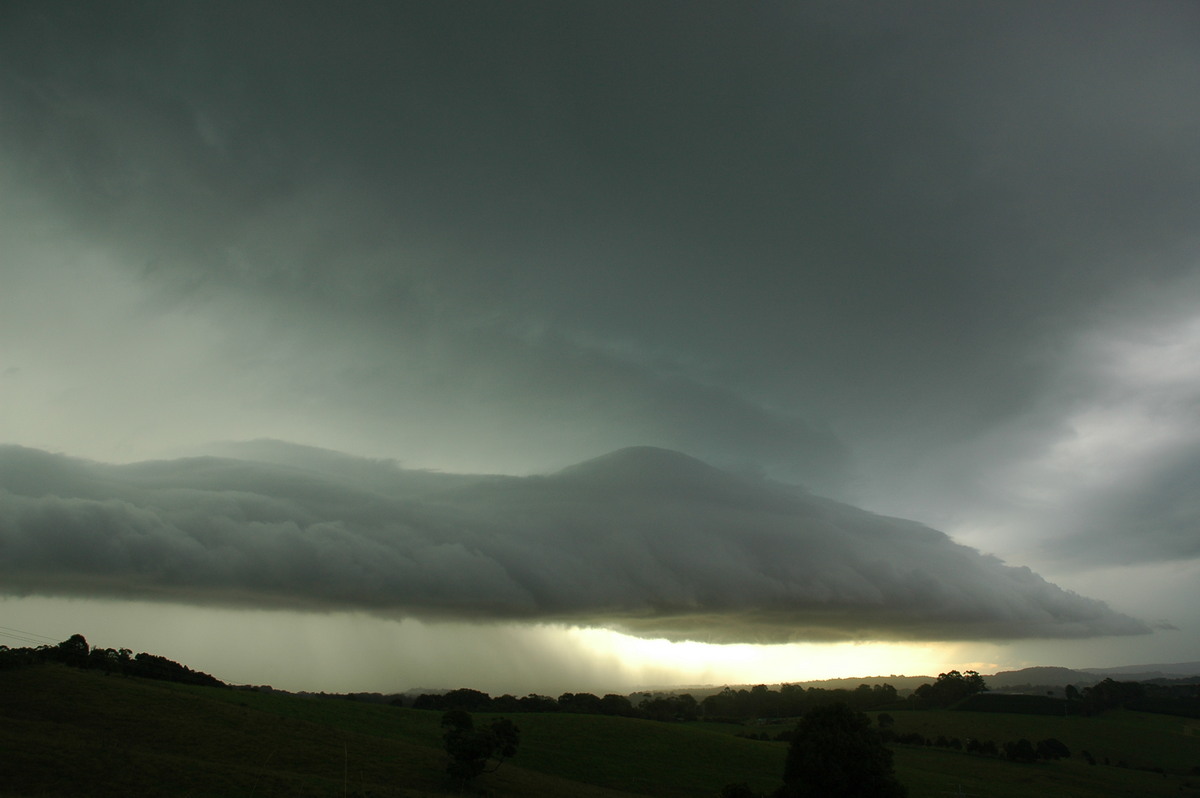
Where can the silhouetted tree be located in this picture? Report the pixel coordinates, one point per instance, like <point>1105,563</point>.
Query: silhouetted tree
<point>1050,748</point>
<point>671,707</point>
<point>613,704</point>
<point>506,703</point>
<point>537,703</point>
<point>579,703</point>
<point>1020,751</point>
<point>725,704</point>
<point>834,753</point>
<point>466,699</point>
<point>152,666</point>
<point>950,688</point>
<point>883,694</point>
<point>1109,694</point>
<point>791,700</point>
<point>73,651</point>
<point>428,701</point>
<point>472,749</point>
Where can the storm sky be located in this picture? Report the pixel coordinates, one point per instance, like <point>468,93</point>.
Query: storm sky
<point>529,334</point>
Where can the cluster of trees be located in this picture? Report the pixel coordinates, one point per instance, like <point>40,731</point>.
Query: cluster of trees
<point>1024,751</point>
<point>75,652</point>
<point>1178,697</point>
<point>1018,750</point>
<point>949,689</point>
<point>791,701</point>
<point>668,707</point>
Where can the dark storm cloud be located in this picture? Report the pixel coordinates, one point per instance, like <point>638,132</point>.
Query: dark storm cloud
<point>939,192</point>
<point>1152,518</point>
<point>421,204</point>
<point>646,541</point>
<point>856,246</point>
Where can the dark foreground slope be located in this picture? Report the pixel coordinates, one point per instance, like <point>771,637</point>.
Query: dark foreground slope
<point>68,732</point>
<point>1134,754</point>
<point>65,732</point>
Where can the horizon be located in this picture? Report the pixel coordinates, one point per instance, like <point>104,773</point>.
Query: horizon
<point>1180,670</point>
<point>599,343</point>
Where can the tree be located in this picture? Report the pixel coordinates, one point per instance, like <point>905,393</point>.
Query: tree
<point>1109,694</point>
<point>579,703</point>
<point>1052,748</point>
<point>472,749</point>
<point>613,704</point>
<point>73,651</point>
<point>950,688</point>
<point>670,707</point>
<point>537,703</point>
<point>465,698</point>
<point>883,694</point>
<point>835,753</point>
<point>506,703</point>
<point>1020,751</point>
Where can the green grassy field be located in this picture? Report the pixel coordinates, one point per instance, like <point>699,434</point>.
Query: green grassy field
<point>1128,740</point>
<point>1132,739</point>
<point>66,732</point>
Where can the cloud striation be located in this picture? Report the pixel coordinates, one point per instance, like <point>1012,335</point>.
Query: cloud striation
<point>647,541</point>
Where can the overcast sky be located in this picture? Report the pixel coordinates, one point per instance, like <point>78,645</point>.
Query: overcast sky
<point>906,298</point>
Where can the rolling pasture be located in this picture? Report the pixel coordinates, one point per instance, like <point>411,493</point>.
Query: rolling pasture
<point>68,732</point>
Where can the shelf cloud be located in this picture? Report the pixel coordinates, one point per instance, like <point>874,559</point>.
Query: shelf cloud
<point>646,541</point>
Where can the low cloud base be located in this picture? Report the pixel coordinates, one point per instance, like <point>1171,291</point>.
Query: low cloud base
<point>645,541</point>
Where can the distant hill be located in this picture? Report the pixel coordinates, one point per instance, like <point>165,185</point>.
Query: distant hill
<point>1146,672</point>
<point>904,684</point>
<point>1043,675</point>
<point>1081,677</point>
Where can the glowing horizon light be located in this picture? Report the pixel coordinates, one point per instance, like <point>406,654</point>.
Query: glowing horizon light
<point>301,651</point>
<point>740,663</point>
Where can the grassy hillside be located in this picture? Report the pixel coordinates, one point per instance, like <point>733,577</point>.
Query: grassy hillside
<point>66,732</point>
<point>1134,740</point>
<point>1133,743</point>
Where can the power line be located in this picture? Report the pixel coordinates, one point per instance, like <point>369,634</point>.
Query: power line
<point>27,634</point>
<point>26,637</point>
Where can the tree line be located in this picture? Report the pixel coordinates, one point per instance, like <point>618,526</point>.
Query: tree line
<point>729,705</point>
<point>76,653</point>
<point>1022,750</point>
<point>1179,697</point>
